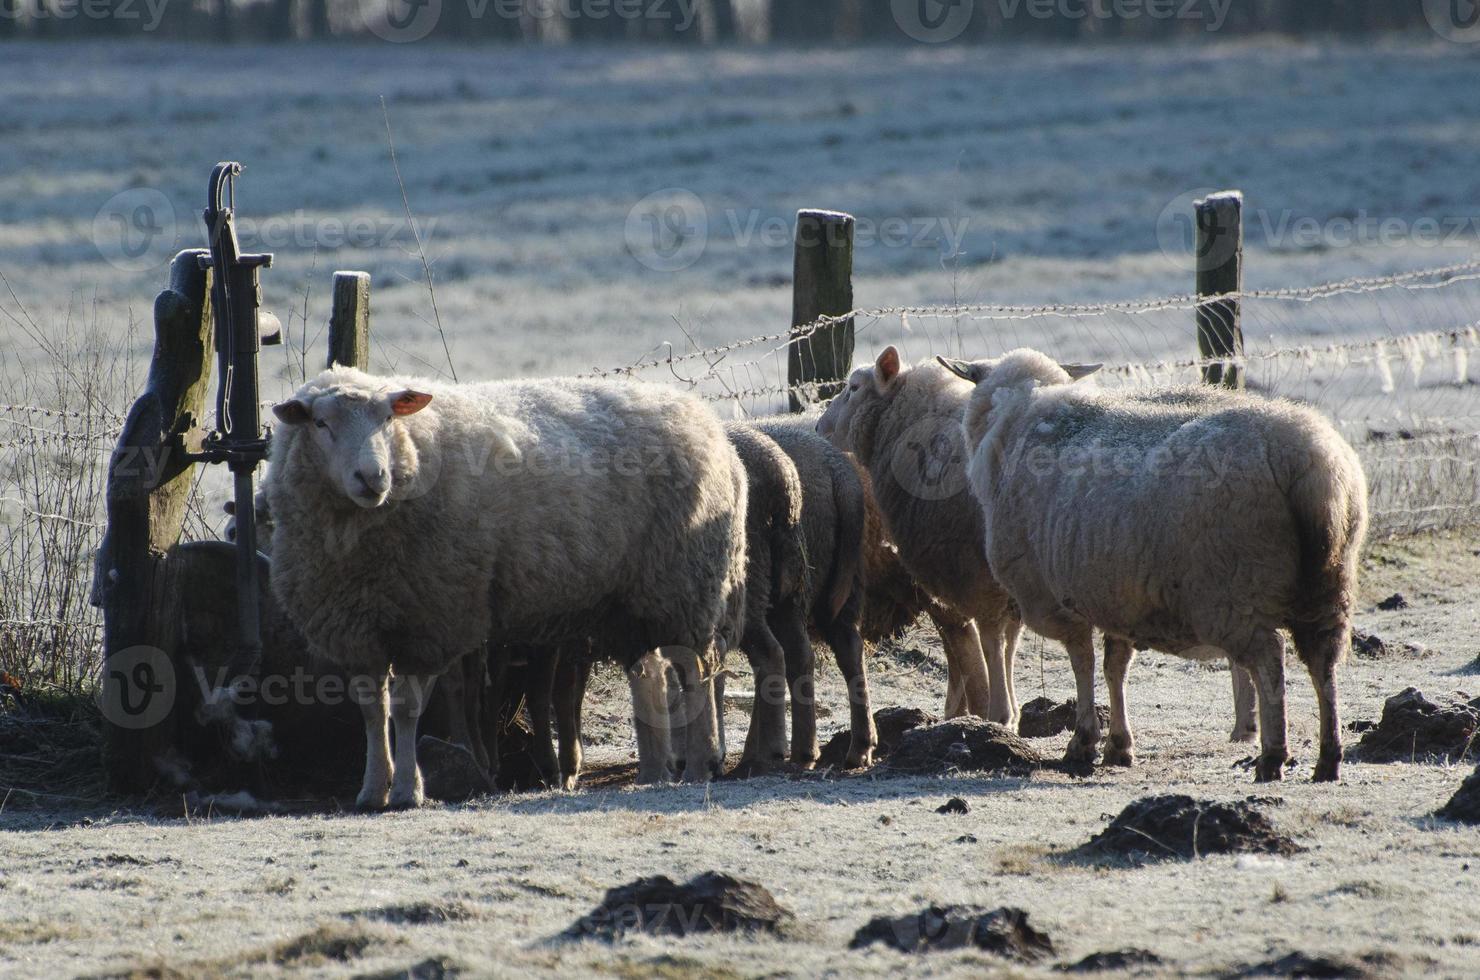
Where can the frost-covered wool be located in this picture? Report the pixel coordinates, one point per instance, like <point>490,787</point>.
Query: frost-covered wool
<point>904,426</point>
<point>775,574</point>
<point>1195,520</point>
<point>524,512</point>
<point>830,602</point>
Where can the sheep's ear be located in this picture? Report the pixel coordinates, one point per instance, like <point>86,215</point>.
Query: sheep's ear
<point>1077,371</point>
<point>964,370</point>
<point>409,402</point>
<point>886,368</point>
<point>292,412</point>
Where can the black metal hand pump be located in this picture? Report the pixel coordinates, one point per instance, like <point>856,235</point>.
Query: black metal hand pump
<point>238,439</point>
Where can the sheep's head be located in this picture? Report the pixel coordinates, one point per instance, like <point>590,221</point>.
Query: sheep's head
<point>1002,380</point>
<point>359,435</point>
<point>849,418</point>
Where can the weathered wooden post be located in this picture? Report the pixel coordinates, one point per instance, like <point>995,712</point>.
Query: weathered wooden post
<point>822,285</point>
<point>1220,272</point>
<point>349,322</point>
<point>149,481</point>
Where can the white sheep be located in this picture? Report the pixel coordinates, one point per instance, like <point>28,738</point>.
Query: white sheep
<point>1197,521</point>
<point>414,520</point>
<point>904,426</point>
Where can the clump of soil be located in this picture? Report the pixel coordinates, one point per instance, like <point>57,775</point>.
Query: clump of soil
<point>1413,728</point>
<point>712,902</point>
<point>1392,602</point>
<point>418,914</point>
<point>1045,717</point>
<point>1176,826</point>
<point>1464,805</point>
<point>1004,932</point>
<point>966,745</point>
<point>449,771</point>
<point>1115,959</point>
<point>325,944</point>
<point>955,805</point>
<point>1333,967</point>
<point>891,724</point>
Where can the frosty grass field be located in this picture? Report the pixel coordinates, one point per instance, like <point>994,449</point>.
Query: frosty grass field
<point>1026,175</point>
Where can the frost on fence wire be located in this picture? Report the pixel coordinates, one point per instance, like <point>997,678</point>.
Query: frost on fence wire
<point>1392,360</point>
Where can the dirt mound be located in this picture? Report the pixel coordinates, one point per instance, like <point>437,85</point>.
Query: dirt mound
<point>891,723</point>
<point>1164,827</point>
<point>1464,805</point>
<point>1045,717</point>
<point>712,902</point>
<point>326,944</point>
<point>966,745</point>
<point>1332,967</point>
<point>449,771</point>
<point>1004,932</point>
<point>1413,728</point>
<point>1115,959</point>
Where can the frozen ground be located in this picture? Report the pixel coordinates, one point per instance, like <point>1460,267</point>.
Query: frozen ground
<point>89,892</point>
<point>1017,175</point>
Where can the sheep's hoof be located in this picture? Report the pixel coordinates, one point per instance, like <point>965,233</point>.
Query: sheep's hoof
<point>1244,735</point>
<point>1269,769</point>
<point>371,800</point>
<point>407,801</point>
<point>1328,768</point>
<point>1081,749</point>
<point>860,758</point>
<point>750,768</point>
<point>568,783</point>
<point>1118,753</point>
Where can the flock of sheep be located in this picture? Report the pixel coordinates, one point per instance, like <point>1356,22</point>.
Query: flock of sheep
<point>414,523</point>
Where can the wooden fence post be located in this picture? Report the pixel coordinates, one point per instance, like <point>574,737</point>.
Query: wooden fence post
<point>1220,271</point>
<point>149,481</point>
<point>822,285</point>
<point>349,323</point>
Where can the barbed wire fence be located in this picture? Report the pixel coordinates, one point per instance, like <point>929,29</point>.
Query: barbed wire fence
<point>1390,359</point>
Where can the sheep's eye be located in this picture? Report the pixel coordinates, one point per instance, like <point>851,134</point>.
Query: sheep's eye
<point>853,386</point>
<point>321,423</point>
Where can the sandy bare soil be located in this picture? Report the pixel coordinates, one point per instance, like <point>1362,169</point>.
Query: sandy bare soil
<point>485,888</point>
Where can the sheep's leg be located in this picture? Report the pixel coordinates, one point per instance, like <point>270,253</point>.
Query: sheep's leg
<point>409,696</point>
<point>1120,749</point>
<point>999,705</point>
<point>847,647</point>
<point>1012,631</point>
<point>801,670</point>
<point>376,787</point>
<point>1267,663</point>
<point>765,742</point>
<point>648,679</point>
<point>475,679</point>
<point>702,761</point>
<point>571,675</point>
<point>1245,725</point>
<point>543,663</point>
<point>1084,745</point>
<point>1322,651</point>
<point>966,681</point>
<point>458,694</point>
